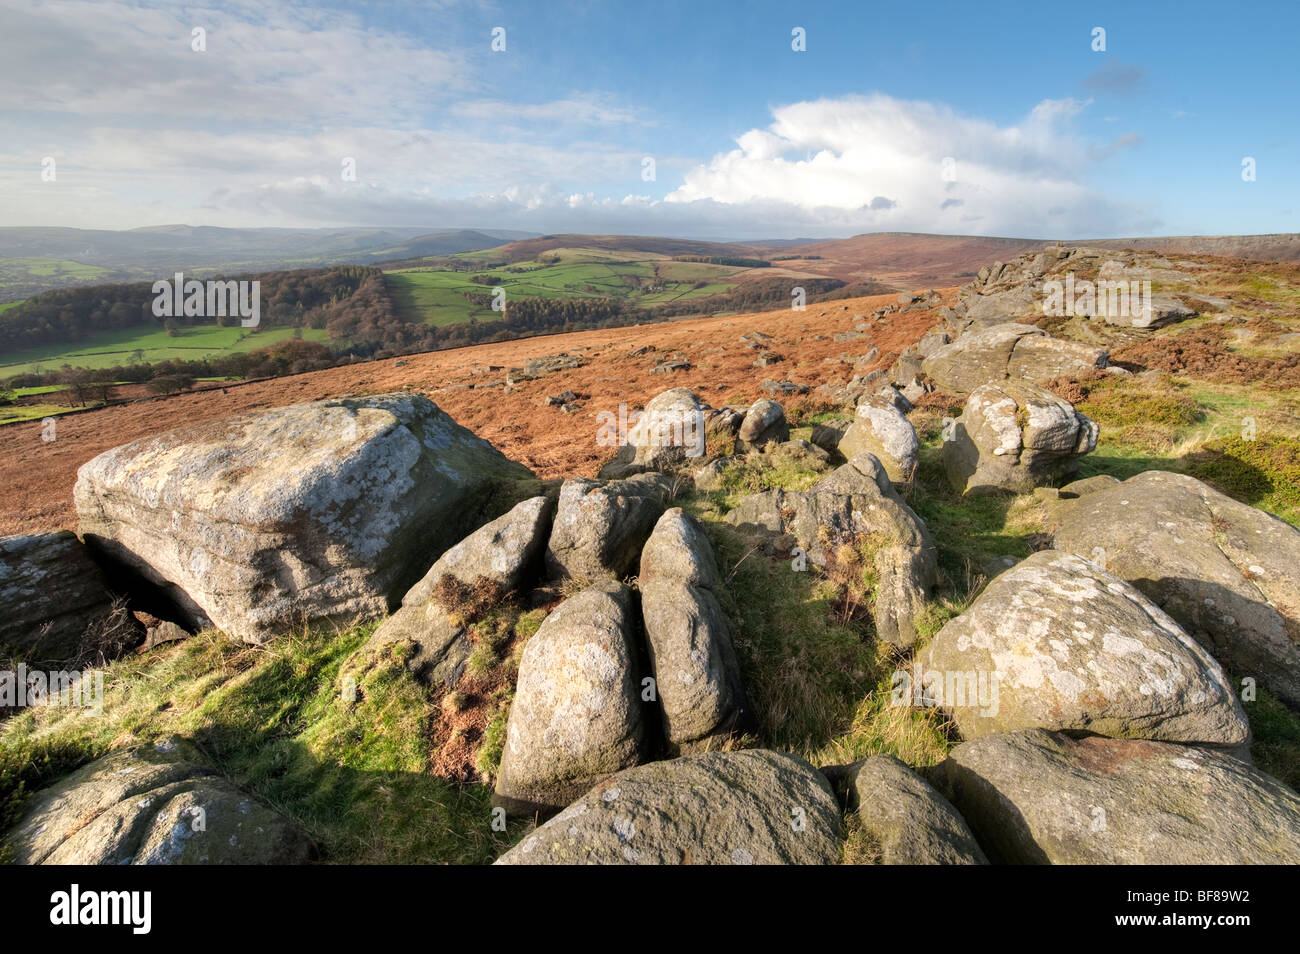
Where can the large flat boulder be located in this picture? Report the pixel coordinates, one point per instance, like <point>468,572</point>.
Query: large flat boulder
<point>1058,643</point>
<point>697,676</point>
<point>326,511</point>
<point>51,594</point>
<point>856,504</point>
<point>1037,797</point>
<point>577,713</point>
<point>601,526</point>
<point>1015,436</point>
<point>1009,350</point>
<point>715,808</point>
<point>153,804</point>
<point>1227,572</point>
<point>1002,306</point>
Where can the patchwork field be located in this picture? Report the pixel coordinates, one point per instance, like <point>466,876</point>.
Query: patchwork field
<point>147,345</point>
<point>438,295</point>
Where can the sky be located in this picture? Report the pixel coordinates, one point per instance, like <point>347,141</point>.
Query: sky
<point>693,119</point>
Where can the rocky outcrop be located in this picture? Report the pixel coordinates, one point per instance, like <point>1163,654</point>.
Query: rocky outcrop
<point>1008,350</point>
<point>1058,643</point>
<point>1101,286</point>
<point>697,676</point>
<point>151,805</point>
<point>880,428</point>
<point>856,504</point>
<point>716,808</point>
<point>1037,797</point>
<point>497,556</point>
<point>51,594</point>
<point>326,511</point>
<point>1015,436</point>
<point>1227,572</point>
<point>577,712</point>
<point>903,814</point>
<point>600,527</point>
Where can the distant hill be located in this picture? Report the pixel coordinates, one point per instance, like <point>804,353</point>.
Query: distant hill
<point>33,260</point>
<point>912,259</point>
<point>1278,247</point>
<point>903,258</point>
<point>530,248</point>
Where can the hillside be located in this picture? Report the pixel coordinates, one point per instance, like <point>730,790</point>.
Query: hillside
<point>533,247</point>
<point>952,483</point>
<point>33,260</point>
<point>357,312</point>
<point>911,259</point>
<point>470,384</point>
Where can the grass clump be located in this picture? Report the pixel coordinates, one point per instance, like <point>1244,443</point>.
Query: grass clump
<point>757,472</point>
<point>353,769</point>
<point>817,680</point>
<point>466,602</point>
<point>1276,744</point>
<point>1263,471</point>
<point>860,847</point>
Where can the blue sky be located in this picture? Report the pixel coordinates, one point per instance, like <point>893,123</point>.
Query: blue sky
<point>977,118</point>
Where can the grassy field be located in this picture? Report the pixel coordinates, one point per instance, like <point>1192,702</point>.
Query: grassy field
<point>111,348</point>
<point>5,306</point>
<point>432,294</point>
<point>26,276</point>
<point>437,295</point>
<point>31,412</point>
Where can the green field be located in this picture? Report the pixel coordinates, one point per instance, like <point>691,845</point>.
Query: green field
<point>109,348</point>
<point>437,295</point>
<point>31,412</point>
<point>5,306</point>
<point>433,294</point>
<point>20,273</point>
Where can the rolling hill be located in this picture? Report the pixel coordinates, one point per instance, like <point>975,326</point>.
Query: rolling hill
<point>33,260</point>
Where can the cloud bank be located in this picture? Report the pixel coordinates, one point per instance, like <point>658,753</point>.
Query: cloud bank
<point>255,131</point>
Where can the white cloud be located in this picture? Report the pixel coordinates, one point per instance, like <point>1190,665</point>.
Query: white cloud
<point>271,62</point>
<point>878,163</point>
<point>254,130</point>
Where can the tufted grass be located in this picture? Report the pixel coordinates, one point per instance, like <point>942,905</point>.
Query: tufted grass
<point>356,775</point>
